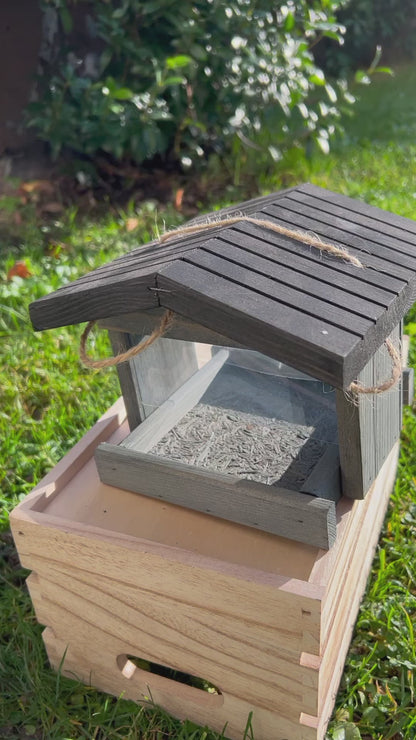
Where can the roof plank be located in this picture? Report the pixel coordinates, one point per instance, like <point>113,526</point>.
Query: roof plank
<point>321,270</point>
<point>371,276</point>
<point>300,279</point>
<point>374,241</point>
<point>247,317</point>
<point>378,257</point>
<point>254,280</point>
<point>84,303</point>
<point>365,219</point>
<point>358,206</point>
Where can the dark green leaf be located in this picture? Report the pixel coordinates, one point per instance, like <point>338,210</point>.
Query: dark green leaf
<point>66,19</point>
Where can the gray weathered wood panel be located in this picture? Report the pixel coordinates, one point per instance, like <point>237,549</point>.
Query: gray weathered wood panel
<point>369,426</point>
<point>379,288</point>
<point>387,406</point>
<point>148,379</point>
<point>357,206</point>
<point>377,226</point>
<point>408,383</point>
<point>121,342</point>
<point>257,322</point>
<point>286,513</point>
<point>349,234</point>
<point>291,289</point>
<point>333,287</point>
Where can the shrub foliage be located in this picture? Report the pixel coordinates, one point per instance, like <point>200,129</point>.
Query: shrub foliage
<point>182,79</point>
<point>389,24</point>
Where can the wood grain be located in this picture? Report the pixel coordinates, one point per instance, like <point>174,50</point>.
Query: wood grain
<point>357,206</point>
<point>104,594</point>
<point>273,281</point>
<point>160,371</point>
<point>379,282</point>
<point>369,426</point>
<point>121,342</point>
<point>408,384</point>
<point>381,252</point>
<point>314,276</point>
<point>325,479</point>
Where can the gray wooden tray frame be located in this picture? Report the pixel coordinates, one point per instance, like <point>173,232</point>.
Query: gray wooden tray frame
<point>297,516</point>
<point>130,465</point>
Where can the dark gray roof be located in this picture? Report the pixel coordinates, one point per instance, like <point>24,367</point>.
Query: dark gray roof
<point>269,292</point>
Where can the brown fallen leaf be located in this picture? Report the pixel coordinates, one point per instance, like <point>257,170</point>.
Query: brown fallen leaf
<point>37,186</point>
<point>19,269</point>
<point>131,224</point>
<point>179,199</point>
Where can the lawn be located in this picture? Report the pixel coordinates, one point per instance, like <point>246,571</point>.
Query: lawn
<point>48,400</point>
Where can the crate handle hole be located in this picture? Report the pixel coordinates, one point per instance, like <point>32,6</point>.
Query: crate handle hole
<point>195,687</point>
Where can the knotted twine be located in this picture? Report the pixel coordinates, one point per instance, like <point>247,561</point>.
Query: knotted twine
<point>355,388</point>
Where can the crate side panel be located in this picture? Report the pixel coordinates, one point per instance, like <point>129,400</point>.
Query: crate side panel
<point>341,610</point>
<point>361,532</point>
<point>181,576</point>
<point>227,653</point>
<point>106,676</point>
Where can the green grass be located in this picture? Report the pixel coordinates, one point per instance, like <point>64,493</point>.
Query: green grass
<point>48,400</point>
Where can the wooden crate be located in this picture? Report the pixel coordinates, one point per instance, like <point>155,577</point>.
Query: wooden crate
<point>265,619</point>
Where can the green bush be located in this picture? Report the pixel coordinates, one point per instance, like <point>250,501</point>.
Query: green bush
<point>182,79</point>
<point>369,24</point>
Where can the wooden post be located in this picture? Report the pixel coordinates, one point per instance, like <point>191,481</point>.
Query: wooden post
<point>369,427</point>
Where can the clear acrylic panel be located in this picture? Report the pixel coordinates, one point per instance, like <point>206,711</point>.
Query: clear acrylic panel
<point>257,419</point>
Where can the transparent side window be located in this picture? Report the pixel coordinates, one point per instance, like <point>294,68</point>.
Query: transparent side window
<point>253,417</point>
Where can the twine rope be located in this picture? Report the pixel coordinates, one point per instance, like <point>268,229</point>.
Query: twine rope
<point>301,236</point>
<point>358,388</point>
<point>355,388</point>
<point>166,321</point>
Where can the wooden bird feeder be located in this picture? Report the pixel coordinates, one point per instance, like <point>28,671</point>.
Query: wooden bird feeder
<point>264,433</point>
<point>241,414</point>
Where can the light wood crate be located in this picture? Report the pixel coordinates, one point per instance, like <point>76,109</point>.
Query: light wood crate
<point>265,619</point>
